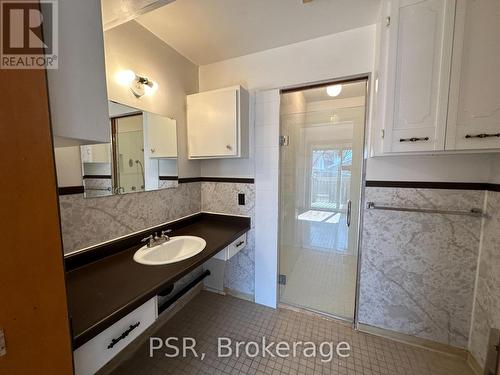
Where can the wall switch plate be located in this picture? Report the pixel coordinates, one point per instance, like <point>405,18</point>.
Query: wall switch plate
<point>282,279</point>
<point>241,199</point>
<point>3,349</point>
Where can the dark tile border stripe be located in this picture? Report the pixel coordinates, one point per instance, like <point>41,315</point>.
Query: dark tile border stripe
<point>235,180</point>
<point>185,180</point>
<point>229,179</point>
<point>168,178</point>
<point>434,185</point>
<point>68,190</point>
<point>97,176</point>
<point>493,187</point>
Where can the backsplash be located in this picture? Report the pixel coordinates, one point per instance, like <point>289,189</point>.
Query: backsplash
<point>87,222</point>
<point>419,269</point>
<point>487,302</point>
<point>222,197</point>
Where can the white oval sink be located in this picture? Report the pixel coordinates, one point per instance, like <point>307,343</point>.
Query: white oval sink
<point>176,249</point>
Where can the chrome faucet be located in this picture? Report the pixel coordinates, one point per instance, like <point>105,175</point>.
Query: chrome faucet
<point>150,240</point>
<point>164,235</point>
<point>156,240</point>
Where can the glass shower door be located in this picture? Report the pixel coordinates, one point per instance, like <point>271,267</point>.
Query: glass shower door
<point>128,153</point>
<point>320,182</point>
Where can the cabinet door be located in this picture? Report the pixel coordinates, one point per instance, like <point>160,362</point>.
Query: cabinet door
<point>474,112</point>
<point>212,119</point>
<point>99,153</point>
<point>162,136</point>
<point>419,61</point>
<point>77,89</point>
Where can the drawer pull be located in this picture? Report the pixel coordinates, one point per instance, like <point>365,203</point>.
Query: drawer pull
<point>240,243</point>
<point>123,335</point>
<point>482,135</point>
<point>414,139</point>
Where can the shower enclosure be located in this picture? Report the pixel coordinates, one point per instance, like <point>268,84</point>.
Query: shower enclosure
<point>128,152</point>
<point>321,160</point>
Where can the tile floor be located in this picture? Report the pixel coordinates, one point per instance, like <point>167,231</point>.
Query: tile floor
<point>323,281</point>
<point>209,316</point>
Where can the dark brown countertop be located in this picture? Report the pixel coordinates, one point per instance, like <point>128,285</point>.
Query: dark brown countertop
<point>105,290</point>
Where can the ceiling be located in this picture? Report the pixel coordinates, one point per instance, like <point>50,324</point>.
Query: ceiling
<point>207,31</point>
<point>116,12</point>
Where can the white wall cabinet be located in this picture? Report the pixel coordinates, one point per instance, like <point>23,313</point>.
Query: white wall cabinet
<point>161,136</point>
<point>77,89</point>
<point>420,34</point>
<point>474,110</point>
<point>217,123</point>
<point>99,153</point>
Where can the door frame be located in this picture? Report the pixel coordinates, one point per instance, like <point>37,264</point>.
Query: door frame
<point>35,319</point>
<point>367,77</point>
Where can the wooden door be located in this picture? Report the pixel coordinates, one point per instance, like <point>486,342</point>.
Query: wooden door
<point>33,308</point>
<point>420,46</point>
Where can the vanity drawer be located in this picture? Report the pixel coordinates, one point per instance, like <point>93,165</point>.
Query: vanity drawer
<point>95,353</point>
<point>233,248</point>
<point>237,245</point>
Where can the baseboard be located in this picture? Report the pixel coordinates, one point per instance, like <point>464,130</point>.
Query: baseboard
<point>414,341</point>
<point>474,365</point>
<point>240,295</point>
<point>212,290</point>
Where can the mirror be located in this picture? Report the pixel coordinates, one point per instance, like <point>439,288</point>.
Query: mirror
<point>142,154</point>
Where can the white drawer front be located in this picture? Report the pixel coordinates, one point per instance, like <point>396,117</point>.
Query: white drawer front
<point>237,245</point>
<point>232,249</point>
<point>95,353</point>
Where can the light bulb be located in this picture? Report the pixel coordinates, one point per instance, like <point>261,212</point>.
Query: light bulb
<point>334,90</point>
<point>150,89</point>
<point>125,77</point>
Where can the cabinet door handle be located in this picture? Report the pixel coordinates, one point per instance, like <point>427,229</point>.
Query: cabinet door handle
<point>153,150</point>
<point>123,335</point>
<point>229,147</point>
<point>482,135</point>
<point>240,243</point>
<point>349,212</point>
<point>414,139</point>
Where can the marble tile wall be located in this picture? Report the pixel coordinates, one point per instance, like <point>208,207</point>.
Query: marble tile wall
<point>222,197</point>
<point>487,301</point>
<point>168,184</point>
<point>418,270</point>
<point>87,222</point>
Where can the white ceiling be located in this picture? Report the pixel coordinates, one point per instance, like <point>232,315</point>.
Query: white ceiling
<point>116,12</point>
<point>206,31</point>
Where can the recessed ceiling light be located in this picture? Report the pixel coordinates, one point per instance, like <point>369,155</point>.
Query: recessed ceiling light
<point>334,90</point>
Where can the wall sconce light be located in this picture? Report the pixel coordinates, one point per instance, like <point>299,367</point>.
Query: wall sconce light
<point>139,85</point>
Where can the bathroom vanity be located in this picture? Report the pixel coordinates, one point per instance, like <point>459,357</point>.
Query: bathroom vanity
<point>112,298</point>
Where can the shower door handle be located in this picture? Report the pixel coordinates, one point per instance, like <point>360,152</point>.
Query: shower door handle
<point>349,209</point>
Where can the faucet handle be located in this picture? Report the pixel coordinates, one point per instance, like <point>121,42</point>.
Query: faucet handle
<point>164,234</point>
<point>149,239</point>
